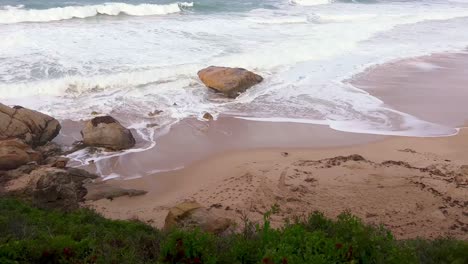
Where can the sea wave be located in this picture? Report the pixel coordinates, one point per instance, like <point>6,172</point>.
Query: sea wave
<point>310,2</point>
<point>324,2</point>
<point>18,14</point>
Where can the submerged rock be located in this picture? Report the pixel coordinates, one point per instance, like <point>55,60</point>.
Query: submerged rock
<point>192,214</point>
<point>229,81</point>
<point>106,132</point>
<point>33,127</point>
<point>15,153</point>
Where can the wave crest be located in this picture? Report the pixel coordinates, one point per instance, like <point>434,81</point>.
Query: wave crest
<point>18,15</point>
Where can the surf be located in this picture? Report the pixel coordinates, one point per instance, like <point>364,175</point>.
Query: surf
<point>19,14</point>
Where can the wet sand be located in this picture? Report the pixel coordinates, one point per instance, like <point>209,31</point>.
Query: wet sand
<point>433,88</point>
<point>417,187</point>
<point>192,140</point>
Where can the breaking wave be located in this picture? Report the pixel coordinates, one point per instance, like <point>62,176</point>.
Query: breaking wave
<point>17,15</point>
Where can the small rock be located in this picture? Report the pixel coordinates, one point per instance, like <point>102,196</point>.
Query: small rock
<point>155,112</point>
<point>95,113</point>
<point>208,116</point>
<point>152,125</point>
<point>61,162</point>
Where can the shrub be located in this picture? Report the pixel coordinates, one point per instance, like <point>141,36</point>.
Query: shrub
<point>31,235</point>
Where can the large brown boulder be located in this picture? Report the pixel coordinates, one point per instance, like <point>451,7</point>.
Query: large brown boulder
<point>31,126</point>
<point>192,214</point>
<point>106,132</point>
<point>15,153</point>
<point>229,81</point>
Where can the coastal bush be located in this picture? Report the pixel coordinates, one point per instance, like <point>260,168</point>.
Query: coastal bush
<point>31,235</point>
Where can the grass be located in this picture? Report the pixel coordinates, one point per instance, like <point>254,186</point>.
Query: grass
<point>31,235</point>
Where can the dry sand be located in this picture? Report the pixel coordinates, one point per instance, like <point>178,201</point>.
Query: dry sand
<point>414,186</point>
<point>417,187</point>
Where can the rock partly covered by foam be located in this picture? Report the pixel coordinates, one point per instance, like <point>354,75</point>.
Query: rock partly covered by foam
<point>32,127</point>
<point>106,132</point>
<point>15,153</point>
<point>229,81</point>
<point>192,214</point>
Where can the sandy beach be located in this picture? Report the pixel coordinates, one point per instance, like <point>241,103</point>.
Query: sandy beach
<point>244,131</point>
<point>416,187</point>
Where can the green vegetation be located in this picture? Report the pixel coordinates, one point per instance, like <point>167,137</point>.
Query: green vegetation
<point>31,235</point>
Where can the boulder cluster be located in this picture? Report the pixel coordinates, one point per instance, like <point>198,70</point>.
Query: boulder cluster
<point>35,168</point>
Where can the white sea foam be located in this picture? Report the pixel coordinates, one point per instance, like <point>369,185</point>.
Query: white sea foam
<point>310,2</point>
<point>18,14</point>
<point>281,20</point>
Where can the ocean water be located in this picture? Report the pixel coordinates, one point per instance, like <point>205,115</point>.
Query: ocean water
<point>131,57</point>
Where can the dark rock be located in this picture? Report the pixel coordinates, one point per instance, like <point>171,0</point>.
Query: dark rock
<point>208,116</point>
<point>50,149</point>
<point>155,112</point>
<point>60,162</point>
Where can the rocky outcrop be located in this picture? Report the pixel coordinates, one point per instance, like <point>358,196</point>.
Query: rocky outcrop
<point>56,188</point>
<point>15,153</point>
<point>192,214</point>
<point>32,127</point>
<point>106,132</point>
<point>229,81</point>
